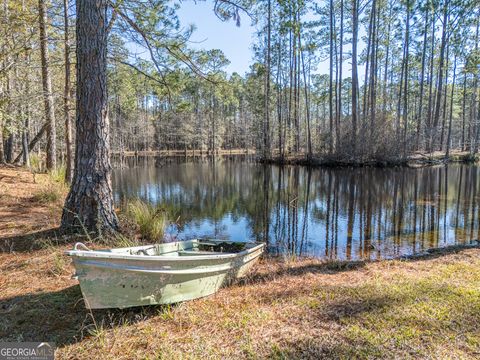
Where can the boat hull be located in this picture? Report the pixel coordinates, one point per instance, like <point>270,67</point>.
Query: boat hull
<point>124,281</point>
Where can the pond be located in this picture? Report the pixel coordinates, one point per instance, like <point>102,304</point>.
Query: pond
<point>333,213</point>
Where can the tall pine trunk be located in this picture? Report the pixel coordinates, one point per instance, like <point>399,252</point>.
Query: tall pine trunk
<point>89,204</point>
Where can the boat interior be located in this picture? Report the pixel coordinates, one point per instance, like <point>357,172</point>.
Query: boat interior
<point>187,248</point>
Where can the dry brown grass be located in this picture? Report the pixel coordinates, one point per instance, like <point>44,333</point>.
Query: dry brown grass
<point>420,308</point>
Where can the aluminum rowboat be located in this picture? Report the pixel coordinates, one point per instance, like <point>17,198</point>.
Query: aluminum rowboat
<point>160,273</point>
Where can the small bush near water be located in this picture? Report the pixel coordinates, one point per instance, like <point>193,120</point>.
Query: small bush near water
<point>150,219</point>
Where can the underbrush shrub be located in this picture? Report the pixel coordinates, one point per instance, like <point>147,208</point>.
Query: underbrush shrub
<point>48,195</point>
<point>150,220</point>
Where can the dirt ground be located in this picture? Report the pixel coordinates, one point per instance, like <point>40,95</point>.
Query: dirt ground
<point>19,212</point>
<point>426,307</point>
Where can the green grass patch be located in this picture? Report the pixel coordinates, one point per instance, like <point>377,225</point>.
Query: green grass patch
<point>151,220</point>
<point>50,194</point>
<point>58,175</point>
<point>36,164</point>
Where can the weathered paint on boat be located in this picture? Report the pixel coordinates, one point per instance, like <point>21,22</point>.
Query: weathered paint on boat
<point>157,274</point>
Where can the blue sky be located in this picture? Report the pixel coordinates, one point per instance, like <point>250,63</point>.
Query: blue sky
<point>236,42</point>
<point>212,33</point>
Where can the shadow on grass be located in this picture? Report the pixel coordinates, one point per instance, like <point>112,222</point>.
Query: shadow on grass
<point>32,241</point>
<point>61,317</point>
<point>333,348</point>
<point>435,253</point>
<point>48,238</point>
<point>372,322</point>
<point>299,269</point>
<point>336,266</point>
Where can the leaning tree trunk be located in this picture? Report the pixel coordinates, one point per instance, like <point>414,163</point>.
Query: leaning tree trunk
<point>89,204</point>
<point>47,87</point>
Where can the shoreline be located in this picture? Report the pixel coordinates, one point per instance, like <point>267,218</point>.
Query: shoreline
<point>416,160</point>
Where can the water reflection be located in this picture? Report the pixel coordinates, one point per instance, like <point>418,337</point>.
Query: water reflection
<point>362,213</point>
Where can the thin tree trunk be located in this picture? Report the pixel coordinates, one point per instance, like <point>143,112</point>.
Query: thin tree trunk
<point>66,99</point>
<point>34,142</point>
<point>367,65</point>
<point>266,129</point>
<point>330,87</point>
<point>385,76</point>
<point>47,88</point>
<point>307,104</point>
<point>449,135</point>
<point>436,116</point>
<point>405,91</point>
<point>464,110</point>
<point>422,77</point>
<point>25,113</point>
<point>10,137</point>
<point>373,76</point>
<point>400,93</point>
<point>354,75</point>
<point>430,85</point>
<point>339,92</point>
<point>444,112</point>
<point>475,125</point>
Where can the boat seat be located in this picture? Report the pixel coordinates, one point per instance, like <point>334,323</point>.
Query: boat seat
<point>199,253</point>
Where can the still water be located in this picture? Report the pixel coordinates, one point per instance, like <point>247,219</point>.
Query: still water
<point>346,213</point>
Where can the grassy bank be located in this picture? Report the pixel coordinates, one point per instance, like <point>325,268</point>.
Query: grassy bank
<point>425,307</point>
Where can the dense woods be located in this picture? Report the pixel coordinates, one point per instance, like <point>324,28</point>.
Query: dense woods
<point>349,80</point>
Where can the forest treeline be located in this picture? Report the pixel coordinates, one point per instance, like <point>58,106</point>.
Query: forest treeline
<point>340,79</point>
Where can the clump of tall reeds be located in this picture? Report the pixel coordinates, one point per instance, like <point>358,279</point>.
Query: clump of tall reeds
<point>151,220</point>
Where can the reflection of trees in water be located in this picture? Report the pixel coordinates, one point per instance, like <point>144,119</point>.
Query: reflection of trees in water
<point>335,213</point>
